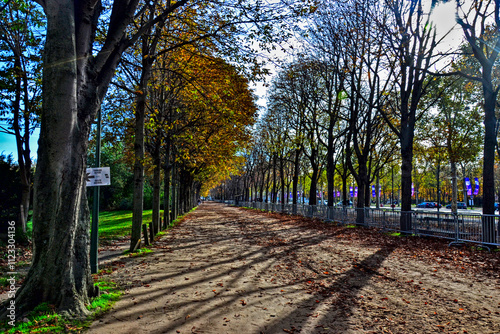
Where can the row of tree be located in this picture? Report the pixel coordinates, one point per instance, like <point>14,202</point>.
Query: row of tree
<point>170,79</point>
<point>373,88</point>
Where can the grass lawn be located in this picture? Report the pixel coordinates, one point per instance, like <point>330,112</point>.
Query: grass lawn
<point>115,224</point>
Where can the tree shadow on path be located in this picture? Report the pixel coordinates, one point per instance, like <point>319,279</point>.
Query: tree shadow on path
<point>329,309</point>
<point>236,284</point>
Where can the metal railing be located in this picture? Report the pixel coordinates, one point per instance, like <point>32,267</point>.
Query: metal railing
<point>460,228</point>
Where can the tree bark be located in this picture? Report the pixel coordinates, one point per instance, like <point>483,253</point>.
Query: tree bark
<point>166,187</point>
<point>140,118</point>
<point>345,200</point>
<point>490,141</point>
<point>138,197</point>
<point>274,193</point>
<point>295,180</point>
<point>454,186</point>
<point>407,133</point>
<point>174,201</point>
<point>156,190</point>
<point>377,191</point>
<point>282,177</point>
<point>23,153</point>
<point>60,271</point>
<point>330,166</point>
<point>314,180</point>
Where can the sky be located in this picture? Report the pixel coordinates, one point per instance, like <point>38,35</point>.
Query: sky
<point>443,16</point>
<point>8,144</point>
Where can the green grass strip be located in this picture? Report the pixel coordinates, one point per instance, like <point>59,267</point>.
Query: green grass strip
<point>44,319</point>
<point>139,252</point>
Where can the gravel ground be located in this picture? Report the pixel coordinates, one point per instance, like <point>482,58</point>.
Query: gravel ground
<point>232,270</point>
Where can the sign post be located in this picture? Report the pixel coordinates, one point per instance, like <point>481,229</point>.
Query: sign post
<point>96,177</point>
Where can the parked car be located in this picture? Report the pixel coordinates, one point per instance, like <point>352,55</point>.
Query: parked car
<point>425,205</point>
<point>460,205</point>
<point>436,205</point>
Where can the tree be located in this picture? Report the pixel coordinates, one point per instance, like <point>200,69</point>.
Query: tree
<point>411,53</point>
<point>75,81</point>
<point>199,108</point>
<point>306,87</point>
<point>20,40</point>
<point>455,127</point>
<point>10,193</point>
<point>480,23</point>
<point>218,110</point>
<point>285,100</point>
<point>76,75</point>
<point>363,63</point>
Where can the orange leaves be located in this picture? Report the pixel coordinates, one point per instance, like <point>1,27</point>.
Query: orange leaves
<point>209,107</point>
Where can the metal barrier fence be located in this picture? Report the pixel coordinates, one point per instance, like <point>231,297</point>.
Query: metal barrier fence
<point>460,228</point>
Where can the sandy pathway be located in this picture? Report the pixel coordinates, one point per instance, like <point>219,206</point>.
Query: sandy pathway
<point>228,270</point>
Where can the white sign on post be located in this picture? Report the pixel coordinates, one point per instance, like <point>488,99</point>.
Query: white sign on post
<point>98,177</point>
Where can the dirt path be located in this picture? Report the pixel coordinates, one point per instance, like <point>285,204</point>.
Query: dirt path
<point>229,270</point>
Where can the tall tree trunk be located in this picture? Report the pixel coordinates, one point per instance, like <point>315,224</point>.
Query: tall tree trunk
<point>367,196</point>
<point>166,187</point>
<point>267,184</point>
<point>173,212</point>
<point>345,200</point>
<point>314,182</point>
<point>282,176</point>
<point>274,193</point>
<point>22,153</point>
<point>255,189</point>
<point>60,270</point>
<point>166,197</point>
<point>138,196</point>
<point>360,214</point>
<point>330,169</point>
<point>490,141</point>
<point>406,172</point>
<point>377,190</point>
<point>262,182</point>
<point>156,191</point>
<point>454,186</point>
<point>140,116</point>
<point>296,171</point>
